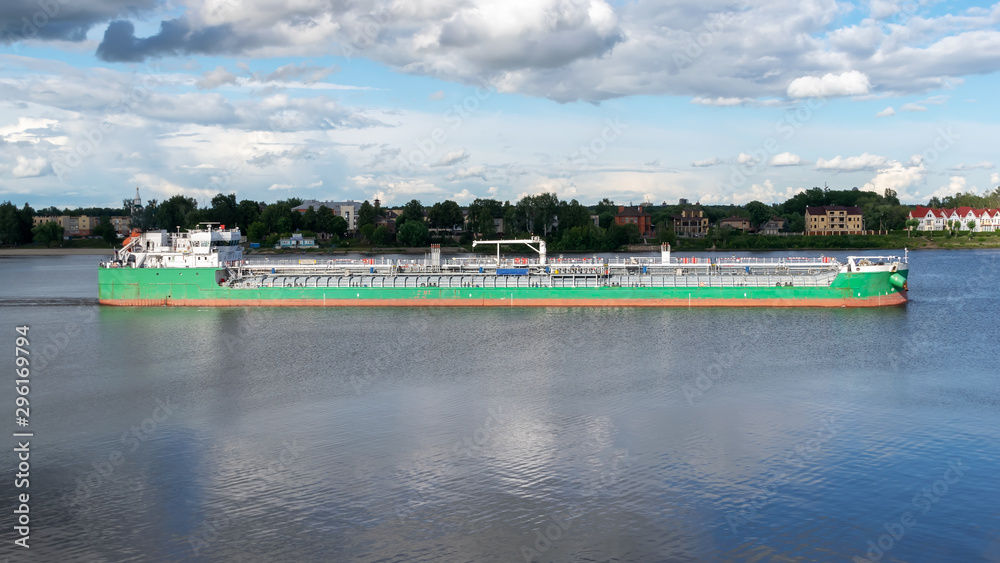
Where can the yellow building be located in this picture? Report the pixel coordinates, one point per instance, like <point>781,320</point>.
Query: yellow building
<point>834,220</point>
<point>122,224</point>
<point>81,226</point>
<point>691,223</point>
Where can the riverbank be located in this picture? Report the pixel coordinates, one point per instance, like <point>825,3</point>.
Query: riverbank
<point>58,251</point>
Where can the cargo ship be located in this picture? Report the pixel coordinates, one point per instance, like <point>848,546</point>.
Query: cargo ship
<point>205,267</point>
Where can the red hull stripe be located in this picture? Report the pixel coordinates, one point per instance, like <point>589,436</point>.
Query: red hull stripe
<point>878,301</point>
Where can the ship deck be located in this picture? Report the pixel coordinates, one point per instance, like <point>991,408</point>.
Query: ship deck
<point>522,273</point>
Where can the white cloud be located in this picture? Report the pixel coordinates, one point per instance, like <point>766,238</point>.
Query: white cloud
<point>166,188</point>
<point>896,177</point>
<point>745,158</point>
<point>215,78</point>
<point>881,9</point>
<point>785,159</point>
<point>936,100</point>
<point>853,163</point>
<point>912,107</point>
<point>283,73</point>
<point>887,112</point>
<point>29,167</point>
<point>463,197</point>
<point>439,95</point>
<point>397,191</point>
<point>995,178</point>
<point>705,163</point>
<point>850,83</point>
<point>956,184</point>
<point>982,165</point>
<point>734,101</point>
<point>477,171</point>
<point>451,158</point>
<point>316,184</point>
<point>594,50</point>
<point>723,102</point>
<point>764,192</point>
<point>22,130</point>
<point>276,187</point>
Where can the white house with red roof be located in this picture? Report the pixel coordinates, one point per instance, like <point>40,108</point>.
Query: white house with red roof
<point>931,219</point>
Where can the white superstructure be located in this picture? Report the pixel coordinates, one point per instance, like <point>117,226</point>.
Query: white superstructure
<point>205,247</point>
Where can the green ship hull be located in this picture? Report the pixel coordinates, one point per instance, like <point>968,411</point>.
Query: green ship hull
<point>200,287</point>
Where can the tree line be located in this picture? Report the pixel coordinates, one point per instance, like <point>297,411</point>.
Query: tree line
<point>566,225</point>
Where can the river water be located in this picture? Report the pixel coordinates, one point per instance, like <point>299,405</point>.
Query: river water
<point>298,434</point>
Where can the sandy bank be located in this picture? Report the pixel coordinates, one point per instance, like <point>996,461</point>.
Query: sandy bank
<point>41,251</point>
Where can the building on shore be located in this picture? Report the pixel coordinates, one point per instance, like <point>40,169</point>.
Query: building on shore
<point>772,226</point>
<point>73,226</point>
<point>297,241</point>
<point>637,216</point>
<point>834,220</point>
<point>346,209</point>
<point>935,219</point>
<point>736,223</point>
<point>121,223</point>
<point>387,219</point>
<point>691,223</point>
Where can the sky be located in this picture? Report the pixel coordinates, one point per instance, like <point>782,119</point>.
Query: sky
<point>713,101</point>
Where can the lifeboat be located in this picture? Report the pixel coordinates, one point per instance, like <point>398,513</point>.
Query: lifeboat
<point>133,236</point>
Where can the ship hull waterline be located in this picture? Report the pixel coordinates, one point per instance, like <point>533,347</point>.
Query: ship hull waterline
<point>147,288</point>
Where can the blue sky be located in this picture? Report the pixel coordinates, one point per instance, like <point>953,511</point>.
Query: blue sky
<point>713,101</point>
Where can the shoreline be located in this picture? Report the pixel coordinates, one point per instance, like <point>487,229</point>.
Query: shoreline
<point>55,252</point>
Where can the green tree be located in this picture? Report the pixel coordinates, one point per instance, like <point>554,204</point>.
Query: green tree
<point>485,225</point>
<point>445,215</point>
<point>665,233</point>
<point>224,209</point>
<point>47,233</point>
<point>285,226</point>
<point>759,212</point>
<point>106,231</point>
<point>482,212</point>
<point>412,211</point>
<point>795,223</point>
<point>338,226</point>
<point>11,225</point>
<point>366,215</point>
<point>413,233</point>
<point>309,219</point>
<point>247,212</point>
<point>257,231</point>
<point>544,208</point>
<point>572,215</point>
<point>324,219</point>
<point>606,206</point>
<point>175,212</point>
<point>380,236</point>
<point>366,231</point>
<point>910,225</point>
<point>146,219</point>
<point>812,197</point>
<point>972,227</point>
<point>279,217</point>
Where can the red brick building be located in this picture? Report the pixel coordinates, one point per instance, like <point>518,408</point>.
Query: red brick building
<point>635,216</point>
